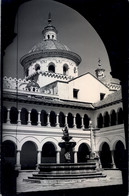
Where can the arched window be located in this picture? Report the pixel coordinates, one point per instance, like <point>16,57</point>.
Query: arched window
<point>37,67</point>
<point>48,36</point>
<point>86,121</point>
<point>62,119</point>
<point>65,69</point>
<point>51,68</point>
<point>78,121</point>
<point>100,121</point>
<point>4,114</point>
<point>52,119</point>
<point>106,119</point>
<point>13,115</point>
<point>120,116</point>
<point>43,118</point>
<point>48,153</point>
<point>113,118</point>
<point>27,72</point>
<point>70,120</point>
<point>24,116</point>
<point>34,117</point>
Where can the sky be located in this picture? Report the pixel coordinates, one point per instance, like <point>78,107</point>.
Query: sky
<point>73,30</point>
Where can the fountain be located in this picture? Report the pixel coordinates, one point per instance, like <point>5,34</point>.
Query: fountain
<point>68,170</point>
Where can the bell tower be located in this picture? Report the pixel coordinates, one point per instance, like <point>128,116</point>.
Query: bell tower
<point>100,71</point>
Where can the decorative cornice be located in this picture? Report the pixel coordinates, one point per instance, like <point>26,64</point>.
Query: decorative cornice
<point>28,58</point>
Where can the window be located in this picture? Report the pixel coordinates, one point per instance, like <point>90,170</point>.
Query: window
<point>102,96</point>
<point>37,67</point>
<point>51,68</point>
<point>65,69</point>
<point>75,93</point>
<point>27,72</point>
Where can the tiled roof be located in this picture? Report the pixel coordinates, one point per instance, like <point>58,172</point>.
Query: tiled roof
<point>111,98</point>
<point>46,101</point>
<point>49,45</point>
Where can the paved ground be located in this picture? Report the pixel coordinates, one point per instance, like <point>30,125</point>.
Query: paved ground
<point>114,177</point>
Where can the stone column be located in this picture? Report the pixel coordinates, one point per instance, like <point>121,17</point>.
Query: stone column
<point>92,155</point>
<point>19,119</point>
<point>39,122</point>
<point>57,156</point>
<point>18,165</point>
<point>39,152</point>
<point>74,122</point>
<point>113,162</point>
<point>57,120</point>
<point>48,120</point>
<point>83,122</point>
<point>66,122</point>
<point>8,116</point>
<point>29,121</point>
<point>75,156</point>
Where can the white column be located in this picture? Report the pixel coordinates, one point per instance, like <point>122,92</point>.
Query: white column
<point>19,119</point>
<point>57,120</point>
<point>75,156</point>
<point>39,157</point>
<point>8,116</point>
<point>113,162</point>
<point>74,122</point>
<point>48,120</point>
<point>29,121</point>
<point>66,122</point>
<point>82,122</point>
<point>18,165</point>
<point>39,122</point>
<point>57,156</point>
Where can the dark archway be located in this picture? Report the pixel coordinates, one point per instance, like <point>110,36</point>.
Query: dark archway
<point>51,68</point>
<point>43,118</point>
<point>78,121</point>
<point>119,155</point>
<point>48,153</point>
<point>106,119</point>
<point>24,116</point>
<point>83,153</point>
<point>13,115</point>
<point>61,119</point>
<point>120,116</point>
<point>4,114</point>
<point>34,117</point>
<point>86,121</point>
<point>65,69</point>
<point>113,118</point>
<point>100,121</point>
<point>105,156</point>
<point>52,119</point>
<point>28,155</point>
<point>70,120</point>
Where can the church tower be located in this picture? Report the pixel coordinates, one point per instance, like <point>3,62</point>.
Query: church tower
<point>50,60</point>
<point>100,71</point>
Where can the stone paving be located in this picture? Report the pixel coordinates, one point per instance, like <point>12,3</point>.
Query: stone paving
<point>114,177</point>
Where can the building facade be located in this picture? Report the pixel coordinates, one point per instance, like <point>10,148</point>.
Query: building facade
<point>52,96</point>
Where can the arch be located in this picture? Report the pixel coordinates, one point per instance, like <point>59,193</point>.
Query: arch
<point>51,67</point>
<point>100,121</point>
<point>65,69</point>
<point>4,114</point>
<point>32,139</point>
<point>78,121</point>
<point>106,119</point>
<point>34,117</point>
<point>28,155</point>
<point>61,119</point>
<point>52,119</point>
<point>105,156</point>
<point>11,138</point>
<point>101,142</point>
<point>13,115</point>
<point>70,120</point>
<point>52,140</point>
<point>43,118</point>
<point>24,116</point>
<point>87,142</point>
<point>120,116</point>
<point>83,152</point>
<point>48,153</point>
<point>37,67</point>
<point>86,121</point>
<point>113,117</point>
<point>119,155</point>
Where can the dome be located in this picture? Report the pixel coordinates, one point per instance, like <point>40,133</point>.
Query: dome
<point>49,45</point>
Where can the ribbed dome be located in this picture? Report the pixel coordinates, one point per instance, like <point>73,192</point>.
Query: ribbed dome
<point>49,45</point>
